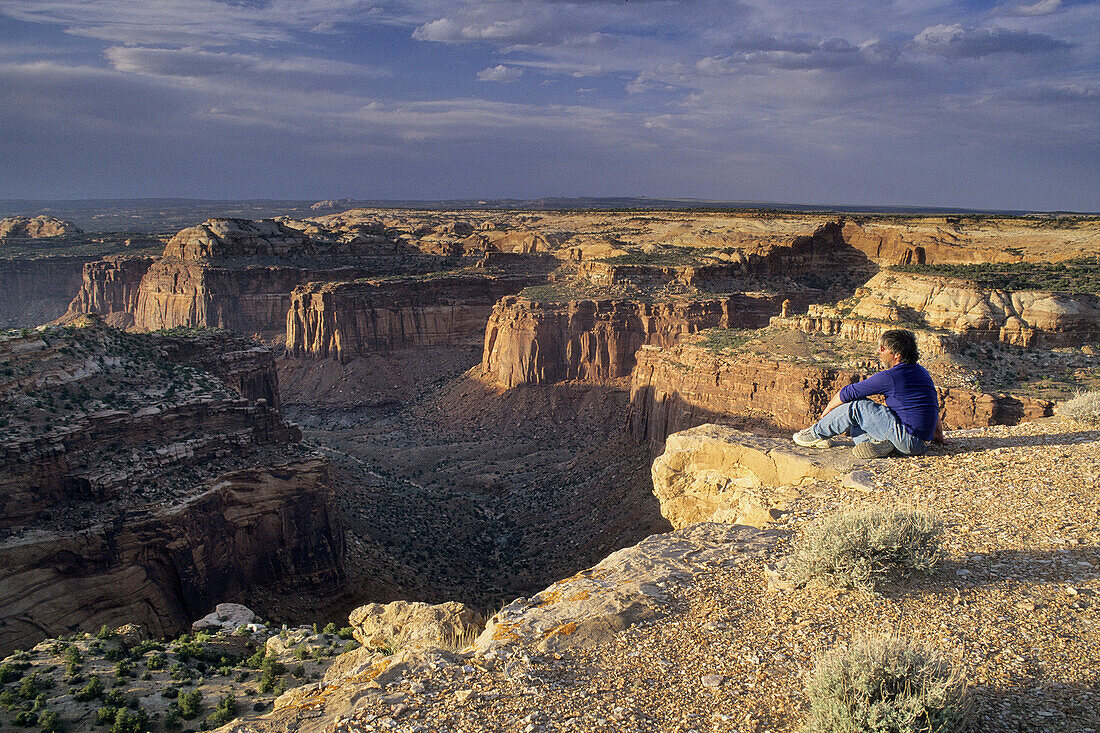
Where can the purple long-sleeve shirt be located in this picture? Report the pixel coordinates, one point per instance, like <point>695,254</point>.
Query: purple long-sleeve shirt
<point>909,393</point>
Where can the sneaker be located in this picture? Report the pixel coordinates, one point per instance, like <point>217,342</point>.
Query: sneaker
<point>808,439</point>
<point>873,449</point>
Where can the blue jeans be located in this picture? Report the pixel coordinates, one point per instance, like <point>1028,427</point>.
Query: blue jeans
<point>866,420</point>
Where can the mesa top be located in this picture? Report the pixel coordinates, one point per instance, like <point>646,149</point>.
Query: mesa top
<point>909,393</point>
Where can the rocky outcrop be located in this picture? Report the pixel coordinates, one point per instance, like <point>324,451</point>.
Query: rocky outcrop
<point>826,320</point>
<point>218,239</point>
<point>402,624</point>
<point>36,291</point>
<point>343,320</point>
<point>822,260</point>
<point>110,288</point>
<point>681,387</point>
<point>37,227</point>
<point>713,473</point>
<point>905,245</point>
<point>165,566</point>
<point>531,342</point>
<point>1023,318</point>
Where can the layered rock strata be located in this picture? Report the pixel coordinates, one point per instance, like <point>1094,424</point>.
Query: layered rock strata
<point>343,320</point>
<point>685,386</point>
<point>110,287</point>
<point>162,567</point>
<point>35,291</point>
<point>531,342</point>
<point>965,311</point>
<point>145,477</point>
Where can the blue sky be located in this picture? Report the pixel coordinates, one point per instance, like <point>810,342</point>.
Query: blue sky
<point>972,104</point>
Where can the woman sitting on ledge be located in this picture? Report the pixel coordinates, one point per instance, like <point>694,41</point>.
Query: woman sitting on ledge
<point>910,419</point>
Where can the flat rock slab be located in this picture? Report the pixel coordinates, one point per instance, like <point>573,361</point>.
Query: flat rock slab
<point>627,587</point>
<point>717,473</point>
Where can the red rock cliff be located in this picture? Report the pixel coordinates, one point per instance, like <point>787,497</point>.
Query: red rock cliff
<point>110,288</point>
<point>342,320</point>
<point>678,388</point>
<point>529,342</point>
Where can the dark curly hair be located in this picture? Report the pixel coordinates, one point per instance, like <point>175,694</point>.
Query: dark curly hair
<point>901,342</point>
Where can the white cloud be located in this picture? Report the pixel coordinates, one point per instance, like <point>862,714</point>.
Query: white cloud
<point>1043,7</point>
<point>956,41</point>
<point>500,73</point>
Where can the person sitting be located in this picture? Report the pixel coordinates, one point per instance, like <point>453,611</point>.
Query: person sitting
<point>907,423</point>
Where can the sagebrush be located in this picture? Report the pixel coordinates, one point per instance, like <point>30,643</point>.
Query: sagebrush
<point>882,684</point>
<point>856,548</point>
<point>1084,408</point>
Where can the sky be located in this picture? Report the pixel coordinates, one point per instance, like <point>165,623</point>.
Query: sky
<point>971,104</point>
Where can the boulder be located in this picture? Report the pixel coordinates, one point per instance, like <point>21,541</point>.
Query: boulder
<point>226,617</point>
<point>405,624</point>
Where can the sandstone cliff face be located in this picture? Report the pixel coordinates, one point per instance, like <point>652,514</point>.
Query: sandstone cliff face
<point>36,227</point>
<point>110,287</point>
<point>343,320</point>
<point>164,567</point>
<point>528,342</point>
<point>137,481</point>
<point>1024,318</point>
<point>685,386</point>
<point>35,291</point>
<point>176,293</point>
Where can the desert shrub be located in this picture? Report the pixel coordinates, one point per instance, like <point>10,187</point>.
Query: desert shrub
<point>855,548</point>
<point>271,669</point>
<point>104,632</point>
<point>49,722</point>
<point>299,671</point>
<point>1084,408</point>
<point>330,628</point>
<point>157,660</point>
<point>10,672</point>
<point>130,721</point>
<point>256,659</point>
<point>28,686</point>
<point>346,633</point>
<point>8,699</point>
<point>90,691</point>
<point>886,685</point>
<point>225,712</point>
<point>170,692</point>
<point>105,715</point>
<point>190,704</point>
<point>25,719</point>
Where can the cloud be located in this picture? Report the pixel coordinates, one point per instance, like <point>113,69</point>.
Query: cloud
<point>1043,7</point>
<point>500,73</point>
<point>799,54</point>
<point>196,63</point>
<point>956,41</point>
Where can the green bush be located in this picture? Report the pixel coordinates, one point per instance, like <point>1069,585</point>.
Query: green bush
<point>330,628</point>
<point>105,715</point>
<point>130,721</point>
<point>855,548</point>
<point>190,704</point>
<point>25,719</point>
<point>50,722</point>
<point>90,691</point>
<point>10,672</point>
<point>28,686</point>
<point>886,685</point>
<point>104,632</point>
<point>225,712</point>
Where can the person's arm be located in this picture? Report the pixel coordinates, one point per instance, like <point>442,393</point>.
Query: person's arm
<point>938,436</point>
<point>834,403</point>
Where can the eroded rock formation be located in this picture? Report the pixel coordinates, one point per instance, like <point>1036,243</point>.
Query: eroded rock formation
<point>110,288</point>
<point>1022,318</point>
<point>530,342</point>
<point>37,227</point>
<point>34,291</point>
<point>684,386</point>
<point>162,567</point>
<point>145,477</point>
<point>343,320</point>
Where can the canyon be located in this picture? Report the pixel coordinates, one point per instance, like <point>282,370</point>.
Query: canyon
<point>382,405</point>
